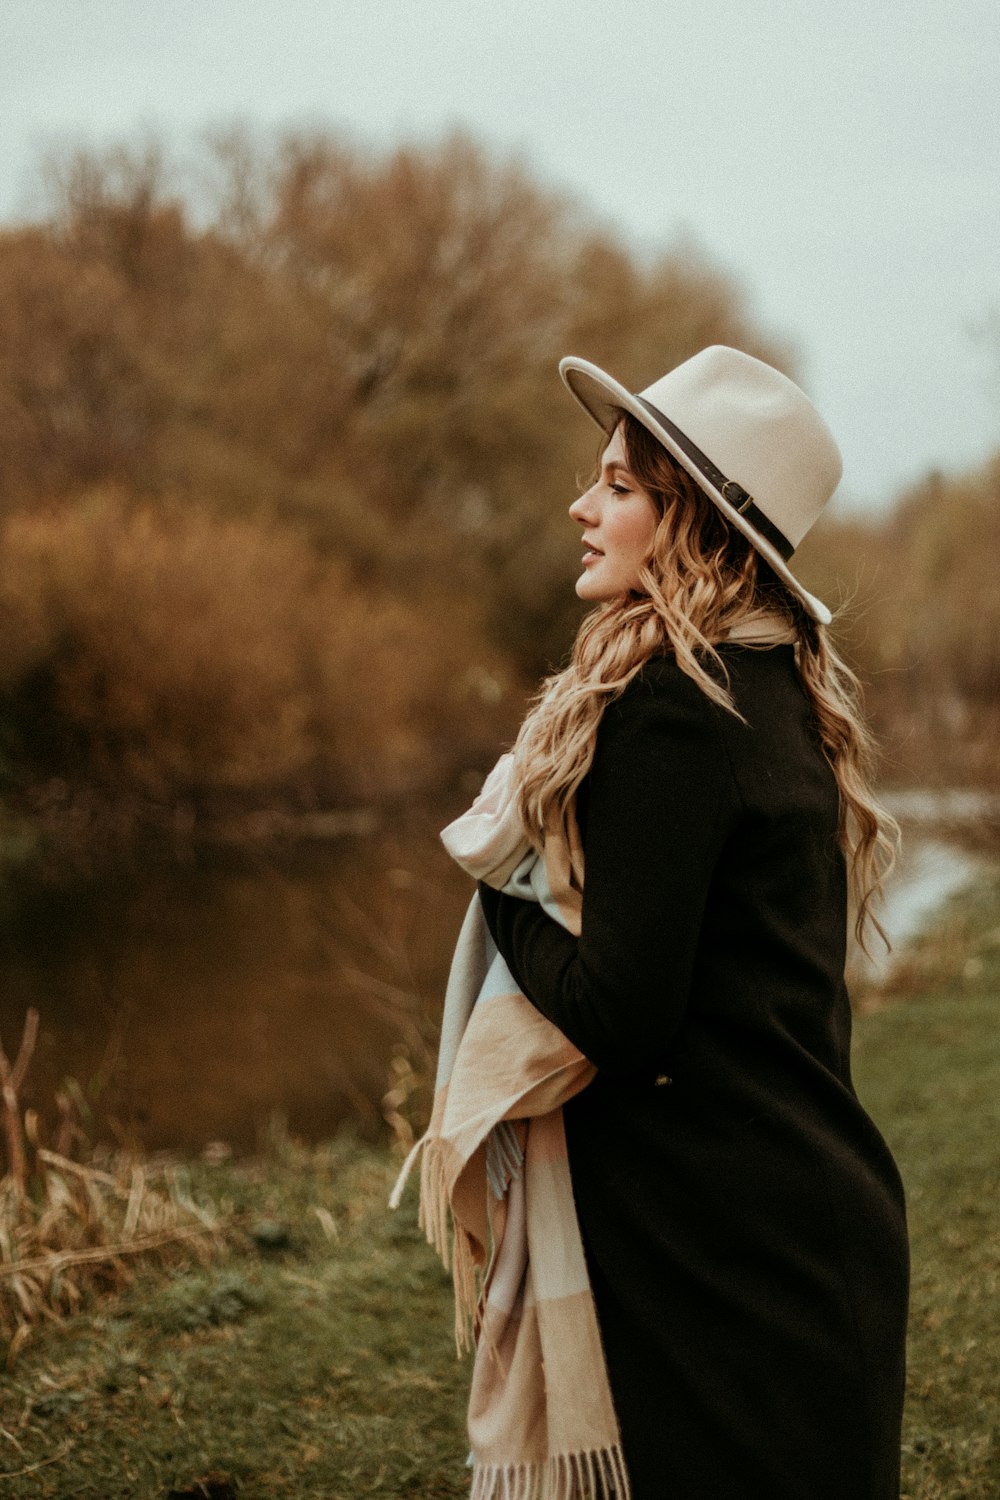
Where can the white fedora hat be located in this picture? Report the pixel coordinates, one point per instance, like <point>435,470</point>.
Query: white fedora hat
<point>750,438</point>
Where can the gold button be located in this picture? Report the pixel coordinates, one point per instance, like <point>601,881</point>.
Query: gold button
<point>661,1079</point>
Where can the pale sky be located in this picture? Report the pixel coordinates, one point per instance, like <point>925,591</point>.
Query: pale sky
<point>840,158</point>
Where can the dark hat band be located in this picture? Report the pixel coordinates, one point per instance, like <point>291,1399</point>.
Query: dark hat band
<point>728,488</point>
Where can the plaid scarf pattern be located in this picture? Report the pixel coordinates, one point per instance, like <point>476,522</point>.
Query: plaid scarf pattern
<point>496,1200</point>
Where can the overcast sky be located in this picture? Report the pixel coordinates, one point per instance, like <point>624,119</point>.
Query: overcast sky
<point>841,158</point>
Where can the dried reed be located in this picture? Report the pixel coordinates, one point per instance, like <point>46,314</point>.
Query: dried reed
<point>71,1227</point>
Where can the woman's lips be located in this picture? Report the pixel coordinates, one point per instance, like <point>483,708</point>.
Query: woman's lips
<point>591,554</point>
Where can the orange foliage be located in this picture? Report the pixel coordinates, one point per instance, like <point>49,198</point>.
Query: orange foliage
<point>923,622</point>
<point>286,467</point>
<point>171,653</point>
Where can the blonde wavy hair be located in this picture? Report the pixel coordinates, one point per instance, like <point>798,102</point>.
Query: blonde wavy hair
<point>701,580</point>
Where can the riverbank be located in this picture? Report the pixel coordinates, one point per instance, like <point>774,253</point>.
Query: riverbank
<point>316,1360</point>
<point>193,995</point>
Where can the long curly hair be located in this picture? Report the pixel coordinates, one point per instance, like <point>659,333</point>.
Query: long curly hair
<point>702,580</point>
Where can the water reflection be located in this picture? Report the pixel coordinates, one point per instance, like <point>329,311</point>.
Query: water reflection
<point>931,869</point>
<point>190,1003</point>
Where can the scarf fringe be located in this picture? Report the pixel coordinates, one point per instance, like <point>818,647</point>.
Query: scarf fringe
<point>504,1157</point>
<point>455,1248</point>
<point>595,1474</point>
<point>396,1196</point>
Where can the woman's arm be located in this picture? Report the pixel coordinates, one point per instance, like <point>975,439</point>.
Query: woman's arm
<point>660,804</point>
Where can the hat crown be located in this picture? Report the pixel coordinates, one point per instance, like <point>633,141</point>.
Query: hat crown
<point>758,428</point>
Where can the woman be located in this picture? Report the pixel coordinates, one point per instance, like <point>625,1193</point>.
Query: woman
<point>742,1218</point>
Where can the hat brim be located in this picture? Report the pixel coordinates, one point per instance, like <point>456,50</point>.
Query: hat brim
<point>599,394</point>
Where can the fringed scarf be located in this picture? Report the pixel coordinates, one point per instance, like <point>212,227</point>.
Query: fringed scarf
<point>541,1421</point>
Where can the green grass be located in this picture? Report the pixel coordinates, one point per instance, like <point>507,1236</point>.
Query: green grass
<point>928,1069</point>
<point>325,1369</point>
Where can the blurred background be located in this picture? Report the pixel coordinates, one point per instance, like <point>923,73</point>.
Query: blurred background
<point>286,460</point>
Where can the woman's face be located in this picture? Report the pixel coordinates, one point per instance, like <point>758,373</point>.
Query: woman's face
<point>619,522</point>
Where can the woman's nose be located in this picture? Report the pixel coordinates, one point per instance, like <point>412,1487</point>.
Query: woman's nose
<point>580,510</point>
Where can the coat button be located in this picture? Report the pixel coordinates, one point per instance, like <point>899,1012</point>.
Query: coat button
<point>661,1079</point>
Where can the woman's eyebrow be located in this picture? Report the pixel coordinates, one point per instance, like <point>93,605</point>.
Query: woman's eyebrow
<point>617,467</point>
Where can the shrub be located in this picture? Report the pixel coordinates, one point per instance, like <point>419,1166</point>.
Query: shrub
<point>168,653</point>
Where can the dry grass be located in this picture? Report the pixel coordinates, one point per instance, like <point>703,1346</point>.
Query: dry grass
<point>323,1369</point>
<point>72,1228</point>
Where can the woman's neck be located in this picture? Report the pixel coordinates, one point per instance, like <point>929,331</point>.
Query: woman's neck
<point>765,627</point>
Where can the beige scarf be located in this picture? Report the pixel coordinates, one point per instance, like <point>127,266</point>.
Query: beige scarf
<point>541,1421</point>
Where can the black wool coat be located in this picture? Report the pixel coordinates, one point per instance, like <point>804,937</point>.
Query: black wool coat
<point>743,1219</point>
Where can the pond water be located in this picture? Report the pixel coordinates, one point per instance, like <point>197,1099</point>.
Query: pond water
<point>932,868</point>
<point>190,1002</point>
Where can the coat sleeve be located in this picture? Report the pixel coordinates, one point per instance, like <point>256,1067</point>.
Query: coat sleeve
<point>661,802</point>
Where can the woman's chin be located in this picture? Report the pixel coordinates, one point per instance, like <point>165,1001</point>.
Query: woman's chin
<point>588,587</point>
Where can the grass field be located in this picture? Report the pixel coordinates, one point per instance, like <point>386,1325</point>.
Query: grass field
<point>928,1068</point>
<point>320,1364</point>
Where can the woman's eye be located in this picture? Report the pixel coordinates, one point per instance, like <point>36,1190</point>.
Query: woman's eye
<point>619,489</point>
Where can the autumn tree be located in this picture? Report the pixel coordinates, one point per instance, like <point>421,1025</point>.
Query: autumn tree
<point>304,344</point>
